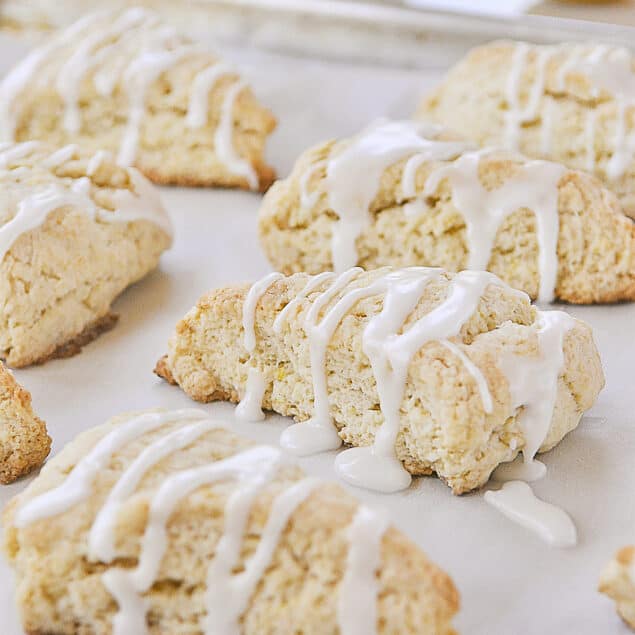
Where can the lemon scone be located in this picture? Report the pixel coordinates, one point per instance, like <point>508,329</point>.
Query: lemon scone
<point>618,582</point>
<point>127,82</point>
<point>426,372</point>
<point>166,522</point>
<point>75,231</point>
<point>573,103</point>
<point>24,443</point>
<point>403,193</point>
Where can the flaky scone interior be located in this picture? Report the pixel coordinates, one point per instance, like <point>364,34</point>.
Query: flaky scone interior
<point>618,582</point>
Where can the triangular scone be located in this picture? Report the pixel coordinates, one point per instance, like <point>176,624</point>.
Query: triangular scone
<point>168,522</point>
<point>618,582</point>
<point>127,82</point>
<point>75,231</point>
<point>24,443</point>
<point>570,103</point>
<point>401,194</point>
<point>436,370</point>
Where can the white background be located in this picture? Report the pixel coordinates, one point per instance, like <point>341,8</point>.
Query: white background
<point>510,582</point>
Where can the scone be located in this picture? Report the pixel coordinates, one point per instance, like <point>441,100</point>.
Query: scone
<point>618,582</point>
<point>167,522</point>
<point>403,193</point>
<point>570,103</point>
<point>75,231</point>
<point>24,443</point>
<point>127,82</point>
<point>425,372</point>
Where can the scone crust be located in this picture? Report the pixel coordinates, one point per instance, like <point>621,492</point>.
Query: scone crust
<point>24,442</point>
<point>617,583</point>
<point>600,267</point>
<point>472,100</point>
<point>59,586</point>
<point>59,279</point>
<point>444,427</point>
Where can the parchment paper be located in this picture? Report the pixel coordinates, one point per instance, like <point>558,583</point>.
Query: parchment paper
<point>510,582</point>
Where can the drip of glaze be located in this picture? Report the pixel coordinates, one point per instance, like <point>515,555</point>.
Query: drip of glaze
<point>535,187</point>
<point>224,138</point>
<point>77,486</point>
<point>14,152</point>
<point>250,406</point>
<point>533,386</point>
<point>128,585</point>
<point>228,594</point>
<point>140,75</point>
<point>101,544</point>
<point>357,603</point>
<point>319,433</point>
<point>390,352</point>
<point>203,83</point>
<point>309,199</point>
<point>60,156</point>
<point>517,501</point>
<point>353,177</point>
<point>254,294</point>
<point>97,160</point>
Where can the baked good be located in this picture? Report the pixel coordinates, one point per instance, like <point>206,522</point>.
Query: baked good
<point>618,582</point>
<point>403,193</point>
<point>425,372</point>
<point>75,231</point>
<point>166,522</point>
<point>572,103</point>
<point>24,443</point>
<point>127,82</point>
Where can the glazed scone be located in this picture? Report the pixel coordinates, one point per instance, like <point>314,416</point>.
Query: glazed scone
<point>127,82</point>
<point>24,442</point>
<point>75,231</point>
<point>165,521</point>
<point>403,193</point>
<point>618,582</point>
<point>425,372</point>
<point>572,103</point>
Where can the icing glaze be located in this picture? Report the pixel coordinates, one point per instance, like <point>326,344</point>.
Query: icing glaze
<point>101,54</point>
<point>517,501</point>
<point>250,406</point>
<point>229,588</point>
<point>254,294</point>
<point>357,603</point>
<point>61,156</point>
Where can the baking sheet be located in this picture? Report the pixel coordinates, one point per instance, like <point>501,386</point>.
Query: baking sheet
<point>510,582</point>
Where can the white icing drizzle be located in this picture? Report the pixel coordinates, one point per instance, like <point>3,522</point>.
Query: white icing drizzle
<point>228,594</point>
<point>516,501</point>
<point>254,294</point>
<point>102,42</point>
<point>250,406</point>
<point>535,187</point>
<point>357,603</point>
<point>60,156</point>
<point>139,76</point>
<point>97,160</point>
<point>319,433</point>
<point>14,152</point>
<point>224,141</point>
<point>77,486</point>
<point>309,199</point>
<point>607,69</point>
<point>204,82</point>
<point>390,352</point>
<point>101,544</point>
<point>353,176</point>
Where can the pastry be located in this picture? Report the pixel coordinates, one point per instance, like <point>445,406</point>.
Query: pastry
<point>403,193</point>
<point>618,582</point>
<point>573,103</point>
<point>127,82</point>
<point>423,371</point>
<point>75,231</point>
<point>24,443</point>
<point>166,522</point>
